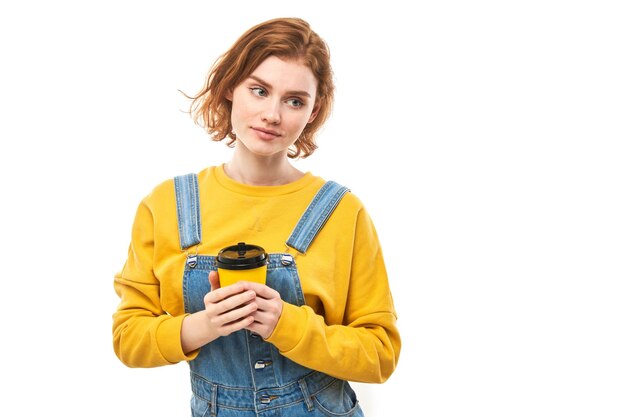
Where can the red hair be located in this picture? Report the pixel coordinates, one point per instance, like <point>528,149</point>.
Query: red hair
<point>285,38</point>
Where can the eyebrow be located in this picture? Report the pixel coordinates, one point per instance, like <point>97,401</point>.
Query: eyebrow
<point>295,92</point>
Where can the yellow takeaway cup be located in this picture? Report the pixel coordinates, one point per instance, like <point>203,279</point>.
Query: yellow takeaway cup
<point>242,262</point>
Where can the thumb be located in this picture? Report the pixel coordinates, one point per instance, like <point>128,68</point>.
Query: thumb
<point>214,280</point>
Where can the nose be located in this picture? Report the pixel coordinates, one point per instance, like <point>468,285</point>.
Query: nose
<point>271,112</point>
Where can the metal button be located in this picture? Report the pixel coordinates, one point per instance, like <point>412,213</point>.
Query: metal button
<point>286,260</point>
<point>192,261</point>
<point>265,399</point>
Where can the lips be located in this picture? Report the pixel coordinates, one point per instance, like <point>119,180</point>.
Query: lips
<point>265,134</point>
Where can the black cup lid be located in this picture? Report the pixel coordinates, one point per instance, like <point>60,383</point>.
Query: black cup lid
<point>241,256</point>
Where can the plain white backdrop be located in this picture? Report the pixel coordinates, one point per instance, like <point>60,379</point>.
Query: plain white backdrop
<point>486,139</point>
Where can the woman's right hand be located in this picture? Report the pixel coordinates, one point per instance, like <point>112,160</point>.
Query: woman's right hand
<point>226,310</point>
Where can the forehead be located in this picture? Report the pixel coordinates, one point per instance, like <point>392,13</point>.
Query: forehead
<point>286,74</point>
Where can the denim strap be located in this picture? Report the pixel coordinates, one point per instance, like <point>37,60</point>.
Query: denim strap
<point>306,394</point>
<point>188,210</point>
<point>316,215</point>
<point>213,400</point>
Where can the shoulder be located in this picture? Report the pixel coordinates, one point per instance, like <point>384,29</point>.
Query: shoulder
<point>350,220</point>
<point>349,199</point>
<point>163,195</point>
<point>350,205</point>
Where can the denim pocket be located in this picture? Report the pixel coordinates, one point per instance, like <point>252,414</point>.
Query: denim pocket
<point>199,407</point>
<point>338,399</point>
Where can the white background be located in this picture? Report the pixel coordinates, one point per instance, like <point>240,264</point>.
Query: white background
<point>486,139</point>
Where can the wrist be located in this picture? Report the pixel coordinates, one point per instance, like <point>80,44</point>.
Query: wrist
<point>195,332</point>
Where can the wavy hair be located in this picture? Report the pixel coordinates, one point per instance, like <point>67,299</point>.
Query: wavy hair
<point>285,38</point>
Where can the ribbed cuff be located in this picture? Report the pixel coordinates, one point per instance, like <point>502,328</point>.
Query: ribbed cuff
<point>290,328</point>
<point>169,343</point>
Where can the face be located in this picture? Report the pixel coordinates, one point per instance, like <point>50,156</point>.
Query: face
<point>272,106</point>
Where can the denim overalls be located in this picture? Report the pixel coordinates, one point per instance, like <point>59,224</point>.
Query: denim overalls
<point>241,375</point>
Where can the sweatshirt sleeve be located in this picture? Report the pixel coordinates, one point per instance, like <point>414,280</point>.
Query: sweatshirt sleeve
<point>366,346</point>
<point>144,335</point>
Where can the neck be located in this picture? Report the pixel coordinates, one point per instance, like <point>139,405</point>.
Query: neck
<point>247,168</point>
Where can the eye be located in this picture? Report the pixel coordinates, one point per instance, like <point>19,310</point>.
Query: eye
<point>258,91</point>
<point>294,102</point>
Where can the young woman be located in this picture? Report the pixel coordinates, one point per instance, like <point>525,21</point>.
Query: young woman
<point>325,314</point>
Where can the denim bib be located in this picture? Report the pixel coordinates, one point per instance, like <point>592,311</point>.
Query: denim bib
<point>241,375</point>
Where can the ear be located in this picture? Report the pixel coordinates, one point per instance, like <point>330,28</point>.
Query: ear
<point>314,113</point>
<point>229,95</point>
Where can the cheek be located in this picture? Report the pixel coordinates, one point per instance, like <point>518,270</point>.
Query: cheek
<point>237,120</point>
<point>237,111</point>
<point>301,122</point>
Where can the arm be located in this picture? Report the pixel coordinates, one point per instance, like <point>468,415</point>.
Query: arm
<point>366,345</point>
<point>144,335</point>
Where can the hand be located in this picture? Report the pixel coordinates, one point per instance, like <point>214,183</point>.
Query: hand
<point>270,307</point>
<point>226,310</point>
<point>230,308</point>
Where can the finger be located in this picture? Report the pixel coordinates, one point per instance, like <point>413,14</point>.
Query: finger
<point>236,314</point>
<point>264,305</point>
<point>237,325</point>
<point>223,293</point>
<point>268,311</point>
<point>260,317</point>
<point>260,329</point>
<point>255,327</point>
<point>214,280</point>
<point>260,289</point>
<point>234,302</point>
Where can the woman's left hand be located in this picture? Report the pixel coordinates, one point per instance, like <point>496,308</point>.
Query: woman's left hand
<point>270,307</point>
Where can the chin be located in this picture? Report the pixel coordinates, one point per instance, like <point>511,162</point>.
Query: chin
<point>264,149</point>
<point>268,154</point>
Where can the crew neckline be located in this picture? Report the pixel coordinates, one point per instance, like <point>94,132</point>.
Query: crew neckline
<point>261,190</point>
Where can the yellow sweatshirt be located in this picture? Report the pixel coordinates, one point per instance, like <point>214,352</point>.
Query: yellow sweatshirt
<point>347,327</point>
